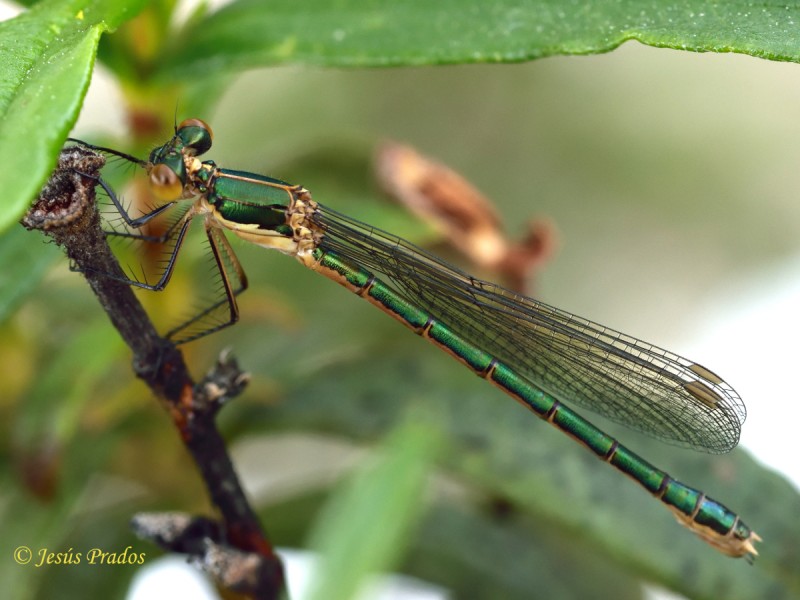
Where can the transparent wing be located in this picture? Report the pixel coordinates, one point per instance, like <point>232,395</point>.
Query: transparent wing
<point>575,360</point>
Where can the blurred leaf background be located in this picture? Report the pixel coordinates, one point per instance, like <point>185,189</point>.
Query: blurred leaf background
<point>670,175</point>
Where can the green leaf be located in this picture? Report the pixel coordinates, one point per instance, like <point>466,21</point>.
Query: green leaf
<point>366,525</point>
<point>25,258</point>
<point>86,512</point>
<point>357,33</point>
<point>51,412</point>
<point>48,53</point>
<point>489,554</point>
<point>480,554</point>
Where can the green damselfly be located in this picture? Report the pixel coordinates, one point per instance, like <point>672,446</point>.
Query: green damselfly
<point>538,354</point>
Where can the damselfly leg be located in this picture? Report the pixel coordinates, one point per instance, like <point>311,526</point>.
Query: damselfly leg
<point>214,313</point>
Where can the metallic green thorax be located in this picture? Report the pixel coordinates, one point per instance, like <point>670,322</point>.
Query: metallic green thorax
<point>250,199</point>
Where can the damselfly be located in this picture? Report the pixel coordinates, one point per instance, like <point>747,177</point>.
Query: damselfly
<point>537,354</point>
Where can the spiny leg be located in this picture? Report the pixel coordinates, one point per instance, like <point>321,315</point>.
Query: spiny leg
<point>180,226</point>
<point>233,281</point>
<point>232,276</point>
<point>162,238</point>
<point>123,212</point>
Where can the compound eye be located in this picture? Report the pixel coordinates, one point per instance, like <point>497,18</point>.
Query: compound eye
<point>196,135</point>
<point>165,183</point>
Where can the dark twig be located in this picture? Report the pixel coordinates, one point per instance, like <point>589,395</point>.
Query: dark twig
<point>66,211</point>
<point>202,540</point>
<point>177,532</point>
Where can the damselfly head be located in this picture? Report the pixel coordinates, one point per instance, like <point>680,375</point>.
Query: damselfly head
<point>167,163</point>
